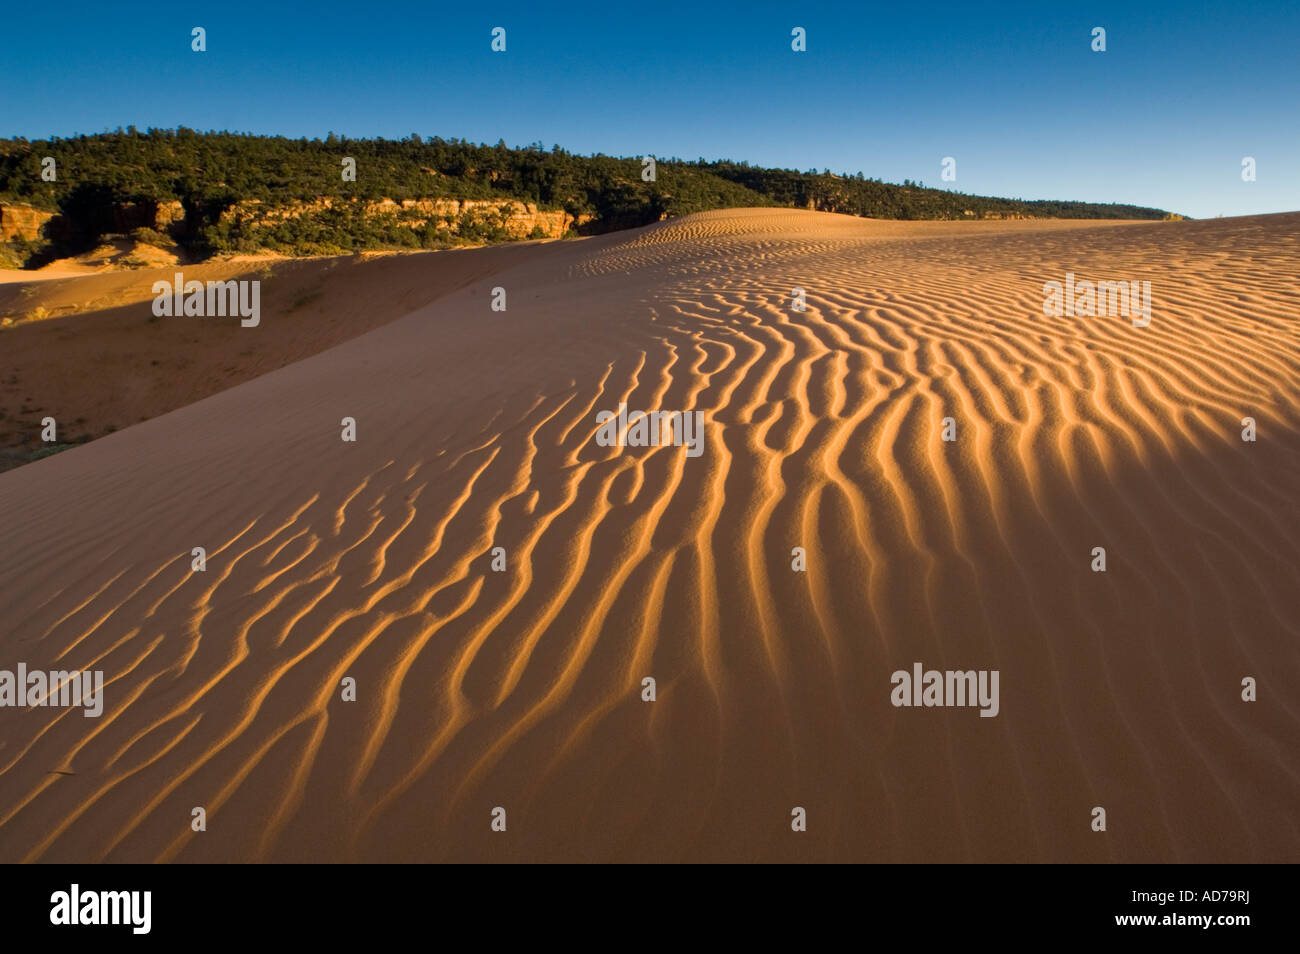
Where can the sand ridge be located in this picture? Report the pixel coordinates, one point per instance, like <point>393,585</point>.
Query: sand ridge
<point>98,359</point>
<point>521,689</point>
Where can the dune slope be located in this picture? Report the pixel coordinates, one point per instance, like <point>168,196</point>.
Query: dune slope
<point>522,688</point>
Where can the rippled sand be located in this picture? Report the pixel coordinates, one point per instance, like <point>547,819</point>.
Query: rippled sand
<point>522,689</point>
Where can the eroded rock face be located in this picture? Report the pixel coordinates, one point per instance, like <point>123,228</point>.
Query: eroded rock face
<point>159,216</point>
<point>519,219</point>
<point>22,222</point>
<point>166,214</point>
<point>524,218</point>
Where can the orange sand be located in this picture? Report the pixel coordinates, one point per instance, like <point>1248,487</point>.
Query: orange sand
<point>522,689</point>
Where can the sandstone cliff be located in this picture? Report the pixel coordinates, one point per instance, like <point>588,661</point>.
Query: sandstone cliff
<point>519,219</point>
<point>22,222</point>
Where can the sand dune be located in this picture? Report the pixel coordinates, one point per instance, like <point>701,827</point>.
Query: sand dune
<point>522,689</point>
<point>97,359</point>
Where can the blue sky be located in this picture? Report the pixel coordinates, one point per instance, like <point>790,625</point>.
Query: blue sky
<point>1012,91</point>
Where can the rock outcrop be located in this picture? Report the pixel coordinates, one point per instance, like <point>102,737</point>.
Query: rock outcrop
<point>22,222</point>
<point>147,214</point>
<point>519,219</point>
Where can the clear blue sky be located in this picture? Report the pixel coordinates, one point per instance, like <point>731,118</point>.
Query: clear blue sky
<point>1012,91</point>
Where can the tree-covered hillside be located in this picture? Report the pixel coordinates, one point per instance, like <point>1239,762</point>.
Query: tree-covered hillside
<point>225,188</point>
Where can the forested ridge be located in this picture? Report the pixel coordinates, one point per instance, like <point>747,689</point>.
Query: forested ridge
<point>214,179</point>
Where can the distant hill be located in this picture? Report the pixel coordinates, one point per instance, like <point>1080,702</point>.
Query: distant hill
<point>212,193</point>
